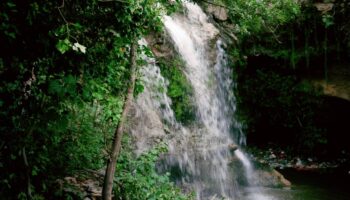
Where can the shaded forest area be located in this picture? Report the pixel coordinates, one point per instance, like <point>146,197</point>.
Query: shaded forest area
<point>279,100</point>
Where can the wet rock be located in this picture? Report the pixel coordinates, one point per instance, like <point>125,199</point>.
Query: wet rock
<point>160,45</point>
<point>145,125</point>
<point>324,7</point>
<point>218,12</point>
<point>85,185</point>
<point>233,147</point>
<point>270,178</point>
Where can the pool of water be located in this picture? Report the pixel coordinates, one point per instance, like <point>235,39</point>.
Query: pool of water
<point>307,186</point>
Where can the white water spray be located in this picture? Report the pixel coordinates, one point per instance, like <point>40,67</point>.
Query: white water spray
<point>192,35</point>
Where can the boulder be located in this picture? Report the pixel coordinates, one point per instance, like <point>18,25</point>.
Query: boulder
<point>270,178</point>
<point>218,12</point>
<point>233,147</point>
<point>324,7</point>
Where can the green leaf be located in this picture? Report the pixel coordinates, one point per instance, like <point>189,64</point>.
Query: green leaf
<point>139,88</point>
<point>63,45</point>
<point>327,20</point>
<point>55,87</point>
<point>11,4</point>
<point>13,157</point>
<point>34,172</point>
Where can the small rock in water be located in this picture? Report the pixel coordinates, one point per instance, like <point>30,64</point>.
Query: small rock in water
<point>298,162</point>
<point>233,147</point>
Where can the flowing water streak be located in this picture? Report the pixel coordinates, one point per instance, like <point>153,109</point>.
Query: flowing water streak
<point>152,106</point>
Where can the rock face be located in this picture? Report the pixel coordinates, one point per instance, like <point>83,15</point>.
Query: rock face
<point>152,107</point>
<point>160,45</point>
<point>219,13</point>
<point>85,185</point>
<point>338,84</point>
<point>145,125</point>
<point>271,178</point>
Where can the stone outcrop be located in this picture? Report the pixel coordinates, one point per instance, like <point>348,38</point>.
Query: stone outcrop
<point>85,185</point>
<point>219,13</point>
<point>145,124</point>
<point>263,175</point>
<point>337,85</point>
<point>160,46</point>
<point>324,7</point>
<point>270,178</point>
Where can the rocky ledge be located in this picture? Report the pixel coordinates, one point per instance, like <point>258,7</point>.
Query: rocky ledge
<point>279,159</point>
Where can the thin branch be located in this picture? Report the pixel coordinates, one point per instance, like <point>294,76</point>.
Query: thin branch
<point>62,5</point>
<point>274,35</point>
<point>272,31</point>
<point>59,9</point>
<point>65,20</point>
<point>299,122</point>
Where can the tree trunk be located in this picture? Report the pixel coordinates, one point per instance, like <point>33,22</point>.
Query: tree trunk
<point>109,175</point>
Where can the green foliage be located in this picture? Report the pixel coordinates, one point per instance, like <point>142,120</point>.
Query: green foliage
<point>63,78</point>
<point>251,17</point>
<point>138,179</point>
<point>179,90</point>
<point>327,20</point>
<point>285,30</point>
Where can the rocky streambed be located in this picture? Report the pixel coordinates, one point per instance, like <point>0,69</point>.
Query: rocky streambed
<point>280,159</point>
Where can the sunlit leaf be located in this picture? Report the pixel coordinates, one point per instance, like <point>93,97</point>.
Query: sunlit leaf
<point>63,45</point>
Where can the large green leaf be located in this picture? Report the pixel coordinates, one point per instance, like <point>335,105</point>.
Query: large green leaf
<point>63,45</point>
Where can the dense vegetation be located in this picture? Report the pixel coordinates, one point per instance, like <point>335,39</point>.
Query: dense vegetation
<point>63,79</point>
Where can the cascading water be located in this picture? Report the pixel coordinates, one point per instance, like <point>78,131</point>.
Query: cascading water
<point>201,155</point>
<point>192,35</point>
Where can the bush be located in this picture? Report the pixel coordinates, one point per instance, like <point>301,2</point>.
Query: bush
<point>137,177</point>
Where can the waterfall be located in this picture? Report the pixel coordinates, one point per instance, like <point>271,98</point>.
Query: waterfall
<point>202,155</point>
<point>192,35</point>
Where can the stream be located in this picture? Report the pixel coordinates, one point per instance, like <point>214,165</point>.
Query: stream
<point>312,186</point>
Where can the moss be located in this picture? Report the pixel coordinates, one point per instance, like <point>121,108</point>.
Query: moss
<point>179,90</point>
